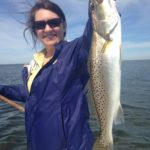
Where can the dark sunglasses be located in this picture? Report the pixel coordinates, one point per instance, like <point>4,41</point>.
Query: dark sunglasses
<point>52,23</point>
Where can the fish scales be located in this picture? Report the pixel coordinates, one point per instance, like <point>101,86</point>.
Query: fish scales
<point>105,69</point>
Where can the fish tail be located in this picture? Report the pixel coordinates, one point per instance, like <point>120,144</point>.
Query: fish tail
<point>99,146</point>
<point>119,116</point>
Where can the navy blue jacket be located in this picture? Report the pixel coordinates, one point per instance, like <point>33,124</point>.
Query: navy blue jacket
<point>56,110</point>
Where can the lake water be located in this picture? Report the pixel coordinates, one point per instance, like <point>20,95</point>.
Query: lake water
<point>134,134</point>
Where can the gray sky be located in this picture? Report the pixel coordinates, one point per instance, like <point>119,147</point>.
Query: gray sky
<point>135,28</point>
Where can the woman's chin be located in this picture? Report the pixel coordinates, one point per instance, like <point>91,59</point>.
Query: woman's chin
<point>52,42</point>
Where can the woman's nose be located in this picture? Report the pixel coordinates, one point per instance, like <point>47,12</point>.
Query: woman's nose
<point>47,28</point>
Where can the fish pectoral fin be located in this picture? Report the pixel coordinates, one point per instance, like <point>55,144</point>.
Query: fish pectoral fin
<point>119,116</point>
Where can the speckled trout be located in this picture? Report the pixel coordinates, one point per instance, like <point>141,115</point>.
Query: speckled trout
<point>105,68</point>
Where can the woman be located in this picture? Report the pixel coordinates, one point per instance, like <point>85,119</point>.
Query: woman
<point>56,110</point>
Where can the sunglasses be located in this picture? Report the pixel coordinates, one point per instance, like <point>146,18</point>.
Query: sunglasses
<point>38,25</point>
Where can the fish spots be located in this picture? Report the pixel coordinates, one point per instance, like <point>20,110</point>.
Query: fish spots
<point>99,95</point>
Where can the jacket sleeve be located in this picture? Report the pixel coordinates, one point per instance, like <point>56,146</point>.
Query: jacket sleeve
<point>83,52</point>
<point>14,92</point>
<point>87,36</point>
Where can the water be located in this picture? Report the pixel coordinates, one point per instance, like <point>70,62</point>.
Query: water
<point>12,130</point>
<point>134,134</point>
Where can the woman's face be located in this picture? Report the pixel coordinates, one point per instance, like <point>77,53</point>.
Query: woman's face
<point>49,35</point>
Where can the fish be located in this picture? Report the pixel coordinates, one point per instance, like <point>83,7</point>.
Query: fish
<point>104,65</point>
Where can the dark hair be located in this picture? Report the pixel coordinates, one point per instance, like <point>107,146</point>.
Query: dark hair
<point>42,4</point>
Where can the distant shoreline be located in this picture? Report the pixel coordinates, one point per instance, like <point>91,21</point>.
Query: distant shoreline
<point>122,61</point>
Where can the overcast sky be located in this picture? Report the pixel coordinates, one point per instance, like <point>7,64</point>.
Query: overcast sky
<point>135,27</point>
